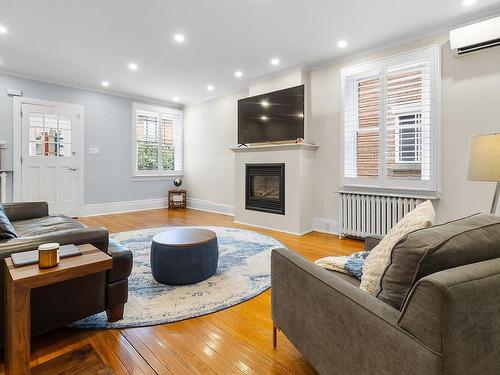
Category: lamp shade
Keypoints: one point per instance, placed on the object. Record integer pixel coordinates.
(484, 158)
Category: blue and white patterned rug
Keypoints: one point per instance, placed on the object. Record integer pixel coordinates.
(243, 273)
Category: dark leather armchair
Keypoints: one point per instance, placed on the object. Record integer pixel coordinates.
(56, 305)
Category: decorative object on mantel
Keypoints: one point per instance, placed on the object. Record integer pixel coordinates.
(299, 140)
(484, 162)
(177, 198)
(243, 272)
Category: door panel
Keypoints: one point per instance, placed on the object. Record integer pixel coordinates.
(50, 163)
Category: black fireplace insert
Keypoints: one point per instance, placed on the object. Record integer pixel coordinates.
(265, 188)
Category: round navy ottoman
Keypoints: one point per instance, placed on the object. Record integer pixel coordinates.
(184, 256)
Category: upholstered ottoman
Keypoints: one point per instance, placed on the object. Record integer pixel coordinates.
(184, 256)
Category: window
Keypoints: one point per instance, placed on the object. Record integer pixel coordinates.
(390, 124)
(157, 141)
(408, 138)
(50, 135)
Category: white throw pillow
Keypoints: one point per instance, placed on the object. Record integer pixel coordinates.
(422, 216)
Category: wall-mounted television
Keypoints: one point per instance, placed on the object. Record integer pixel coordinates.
(273, 117)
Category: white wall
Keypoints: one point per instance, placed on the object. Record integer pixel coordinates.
(469, 106)
(209, 133)
(470, 92)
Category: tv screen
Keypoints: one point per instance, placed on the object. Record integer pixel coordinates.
(273, 117)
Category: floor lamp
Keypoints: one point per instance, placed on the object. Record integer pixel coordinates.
(484, 162)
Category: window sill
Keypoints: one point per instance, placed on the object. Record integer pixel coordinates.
(162, 177)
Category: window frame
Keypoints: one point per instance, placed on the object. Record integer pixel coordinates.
(177, 116)
(384, 184)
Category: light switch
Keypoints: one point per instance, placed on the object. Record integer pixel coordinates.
(93, 150)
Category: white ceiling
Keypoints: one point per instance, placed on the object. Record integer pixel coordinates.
(83, 42)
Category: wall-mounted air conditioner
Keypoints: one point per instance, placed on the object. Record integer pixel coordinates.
(475, 37)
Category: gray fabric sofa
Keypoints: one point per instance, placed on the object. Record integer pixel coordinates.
(448, 324)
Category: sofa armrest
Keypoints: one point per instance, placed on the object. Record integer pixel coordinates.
(455, 312)
(371, 242)
(332, 321)
(96, 236)
(122, 262)
(25, 210)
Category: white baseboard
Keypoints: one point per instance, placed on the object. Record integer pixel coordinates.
(209, 206)
(95, 209)
(324, 225)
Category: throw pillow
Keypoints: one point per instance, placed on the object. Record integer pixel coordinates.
(6, 229)
(375, 264)
(423, 252)
(351, 264)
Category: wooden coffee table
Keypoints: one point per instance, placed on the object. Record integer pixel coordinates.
(18, 283)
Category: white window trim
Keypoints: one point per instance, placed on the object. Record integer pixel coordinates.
(154, 175)
(408, 186)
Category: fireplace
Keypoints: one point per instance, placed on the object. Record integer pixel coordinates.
(265, 188)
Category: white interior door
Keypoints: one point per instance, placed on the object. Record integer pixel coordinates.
(49, 158)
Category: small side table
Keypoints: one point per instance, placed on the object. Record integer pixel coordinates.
(177, 199)
(18, 283)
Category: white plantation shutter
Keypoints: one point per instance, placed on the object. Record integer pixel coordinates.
(157, 134)
(389, 122)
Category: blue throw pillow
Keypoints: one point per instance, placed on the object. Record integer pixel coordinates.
(7, 231)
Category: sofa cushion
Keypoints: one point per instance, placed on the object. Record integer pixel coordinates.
(423, 252)
(6, 229)
(420, 217)
(45, 225)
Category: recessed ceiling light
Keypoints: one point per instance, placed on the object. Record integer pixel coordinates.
(210, 88)
(264, 103)
(133, 66)
(105, 83)
(468, 3)
(179, 38)
(342, 43)
(238, 74)
(263, 118)
(275, 61)
(176, 98)
(3, 29)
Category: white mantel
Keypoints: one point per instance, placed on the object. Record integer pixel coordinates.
(299, 170)
(276, 147)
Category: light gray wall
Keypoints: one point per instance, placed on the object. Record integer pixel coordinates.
(107, 126)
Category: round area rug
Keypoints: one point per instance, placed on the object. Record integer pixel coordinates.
(243, 273)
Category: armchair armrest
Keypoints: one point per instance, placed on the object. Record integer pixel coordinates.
(455, 312)
(25, 210)
(372, 241)
(328, 319)
(96, 236)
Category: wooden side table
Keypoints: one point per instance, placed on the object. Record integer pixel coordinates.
(177, 199)
(18, 283)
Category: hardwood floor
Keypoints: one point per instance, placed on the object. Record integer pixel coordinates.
(237, 340)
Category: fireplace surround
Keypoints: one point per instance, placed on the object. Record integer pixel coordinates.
(265, 188)
(298, 161)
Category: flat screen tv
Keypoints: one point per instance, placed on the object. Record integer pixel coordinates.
(274, 117)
